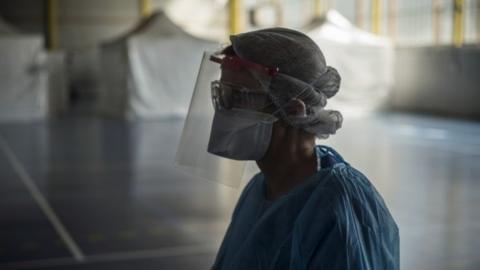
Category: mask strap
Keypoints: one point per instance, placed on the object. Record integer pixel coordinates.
(319, 158)
(280, 109)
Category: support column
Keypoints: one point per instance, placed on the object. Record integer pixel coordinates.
(52, 24)
(376, 14)
(235, 8)
(317, 8)
(392, 19)
(477, 15)
(458, 22)
(359, 16)
(437, 21)
(145, 8)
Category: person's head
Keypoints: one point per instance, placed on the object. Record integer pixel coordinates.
(282, 131)
(288, 70)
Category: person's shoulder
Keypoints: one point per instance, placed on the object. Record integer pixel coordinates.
(340, 176)
(346, 190)
(359, 197)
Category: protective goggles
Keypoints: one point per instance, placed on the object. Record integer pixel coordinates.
(242, 95)
(226, 96)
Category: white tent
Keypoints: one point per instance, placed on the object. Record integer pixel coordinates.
(150, 72)
(23, 77)
(201, 18)
(364, 61)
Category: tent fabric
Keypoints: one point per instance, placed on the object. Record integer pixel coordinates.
(23, 78)
(150, 72)
(364, 60)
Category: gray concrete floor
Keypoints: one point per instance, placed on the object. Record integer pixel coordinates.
(86, 193)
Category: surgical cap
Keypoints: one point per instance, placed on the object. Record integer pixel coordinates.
(303, 74)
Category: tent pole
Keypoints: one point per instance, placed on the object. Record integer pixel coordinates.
(145, 7)
(235, 9)
(458, 22)
(376, 14)
(52, 24)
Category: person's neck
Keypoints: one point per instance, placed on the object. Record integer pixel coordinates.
(287, 167)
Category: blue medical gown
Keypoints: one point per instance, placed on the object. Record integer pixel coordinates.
(334, 220)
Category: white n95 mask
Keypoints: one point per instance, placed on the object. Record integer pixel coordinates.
(240, 134)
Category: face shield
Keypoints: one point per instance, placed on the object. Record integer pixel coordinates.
(226, 86)
(232, 111)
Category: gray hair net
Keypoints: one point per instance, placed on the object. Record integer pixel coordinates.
(303, 75)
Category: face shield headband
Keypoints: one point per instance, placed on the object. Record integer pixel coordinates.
(236, 63)
(263, 75)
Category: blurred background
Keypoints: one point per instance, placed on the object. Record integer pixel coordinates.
(94, 94)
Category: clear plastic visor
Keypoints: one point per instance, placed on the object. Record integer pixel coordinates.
(219, 86)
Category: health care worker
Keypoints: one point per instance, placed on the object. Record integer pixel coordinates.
(308, 208)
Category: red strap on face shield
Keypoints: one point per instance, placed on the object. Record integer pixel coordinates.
(237, 63)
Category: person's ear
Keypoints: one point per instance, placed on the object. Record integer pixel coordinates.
(296, 107)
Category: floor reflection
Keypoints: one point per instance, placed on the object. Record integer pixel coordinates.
(114, 187)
